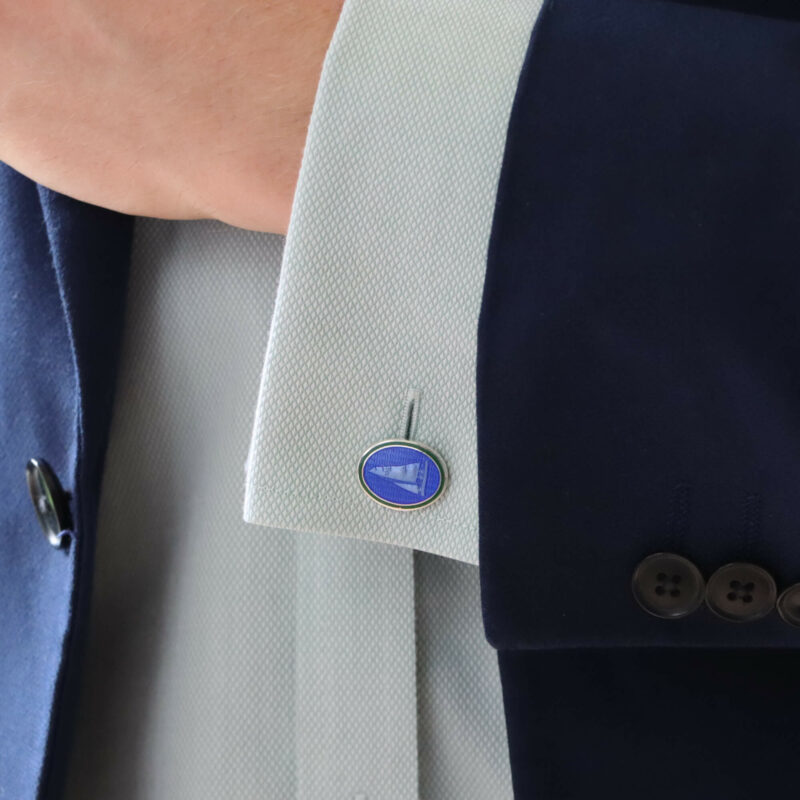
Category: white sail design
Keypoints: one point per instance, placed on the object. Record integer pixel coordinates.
(410, 477)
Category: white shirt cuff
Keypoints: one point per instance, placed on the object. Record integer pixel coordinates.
(383, 268)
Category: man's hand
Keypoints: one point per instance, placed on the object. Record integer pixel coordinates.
(166, 108)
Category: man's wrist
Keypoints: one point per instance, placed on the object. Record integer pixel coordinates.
(166, 108)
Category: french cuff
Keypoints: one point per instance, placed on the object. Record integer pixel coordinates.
(374, 331)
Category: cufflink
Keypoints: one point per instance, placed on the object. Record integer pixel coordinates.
(401, 474)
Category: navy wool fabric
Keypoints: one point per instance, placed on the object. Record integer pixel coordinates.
(63, 270)
(652, 723)
(639, 391)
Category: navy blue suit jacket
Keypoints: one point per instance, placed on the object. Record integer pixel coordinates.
(638, 392)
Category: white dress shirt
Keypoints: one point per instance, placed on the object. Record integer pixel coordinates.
(233, 660)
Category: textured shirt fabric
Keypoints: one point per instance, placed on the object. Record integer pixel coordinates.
(384, 267)
(230, 661)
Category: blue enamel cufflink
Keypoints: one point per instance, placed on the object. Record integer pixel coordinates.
(402, 474)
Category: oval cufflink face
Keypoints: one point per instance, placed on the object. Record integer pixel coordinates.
(403, 475)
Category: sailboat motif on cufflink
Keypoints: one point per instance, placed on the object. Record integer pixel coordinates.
(402, 474)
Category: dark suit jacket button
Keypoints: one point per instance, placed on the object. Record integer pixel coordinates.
(741, 592)
(49, 501)
(668, 586)
(789, 605)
